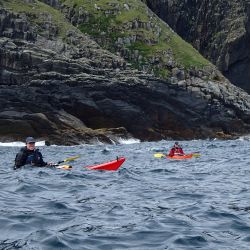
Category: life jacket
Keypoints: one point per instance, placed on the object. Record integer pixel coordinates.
(178, 151)
(33, 158)
(26, 156)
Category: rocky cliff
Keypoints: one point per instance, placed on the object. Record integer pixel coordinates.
(58, 84)
(218, 29)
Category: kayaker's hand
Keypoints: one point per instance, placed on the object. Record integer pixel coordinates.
(51, 164)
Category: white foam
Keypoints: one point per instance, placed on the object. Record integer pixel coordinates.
(128, 141)
(244, 138)
(19, 144)
(42, 143)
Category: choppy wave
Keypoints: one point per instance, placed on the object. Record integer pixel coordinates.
(245, 138)
(128, 141)
(150, 203)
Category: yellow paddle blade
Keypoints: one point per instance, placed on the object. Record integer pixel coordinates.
(64, 167)
(71, 158)
(159, 155)
(196, 155)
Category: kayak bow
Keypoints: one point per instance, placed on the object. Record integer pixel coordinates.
(108, 166)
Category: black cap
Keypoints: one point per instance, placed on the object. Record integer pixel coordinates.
(30, 140)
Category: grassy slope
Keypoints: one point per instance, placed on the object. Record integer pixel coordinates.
(38, 12)
(115, 25)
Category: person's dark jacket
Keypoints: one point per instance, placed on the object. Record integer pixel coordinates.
(25, 156)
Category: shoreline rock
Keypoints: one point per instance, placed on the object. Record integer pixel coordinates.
(219, 30)
(72, 91)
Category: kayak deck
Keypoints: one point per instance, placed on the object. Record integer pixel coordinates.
(180, 157)
(108, 166)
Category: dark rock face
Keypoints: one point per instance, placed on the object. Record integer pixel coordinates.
(218, 29)
(71, 91)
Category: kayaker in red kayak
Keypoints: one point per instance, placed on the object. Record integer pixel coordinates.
(176, 150)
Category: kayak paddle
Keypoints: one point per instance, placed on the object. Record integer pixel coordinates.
(69, 159)
(196, 155)
(160, 155)
(66, 160)
(64, 167)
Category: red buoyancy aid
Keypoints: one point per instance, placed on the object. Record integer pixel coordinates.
(176, 151)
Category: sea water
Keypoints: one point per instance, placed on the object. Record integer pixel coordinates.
(149, 203)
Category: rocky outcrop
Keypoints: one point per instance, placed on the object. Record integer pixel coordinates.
(218, 29)
(135, 33)
(59, 85)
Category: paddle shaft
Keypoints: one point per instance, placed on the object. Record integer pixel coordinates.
(69, 159)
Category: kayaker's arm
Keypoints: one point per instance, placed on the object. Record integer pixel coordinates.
(171, 153)
(20, 159)
(42, 163)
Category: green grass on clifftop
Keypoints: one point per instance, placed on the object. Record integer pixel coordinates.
(186, 54)
(40, 13)
(113, 19)
(124, 26)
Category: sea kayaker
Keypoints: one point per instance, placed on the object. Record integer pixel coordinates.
(176, 150)
(30, 155)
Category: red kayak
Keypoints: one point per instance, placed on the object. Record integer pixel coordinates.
(180, 157)
(108, 166)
